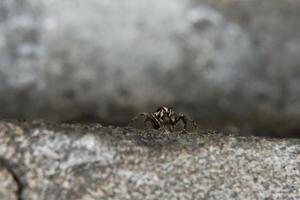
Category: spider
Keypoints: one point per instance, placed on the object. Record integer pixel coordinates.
(164, 118)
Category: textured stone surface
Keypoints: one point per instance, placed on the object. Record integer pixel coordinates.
(8, 186)
(96, 162)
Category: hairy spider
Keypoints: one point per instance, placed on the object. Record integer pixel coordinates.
(164, 118)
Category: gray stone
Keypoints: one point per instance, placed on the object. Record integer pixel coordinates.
(8, 186)
(96, 162)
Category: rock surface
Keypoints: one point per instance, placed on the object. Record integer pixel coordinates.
(96, 162)
(8, 186)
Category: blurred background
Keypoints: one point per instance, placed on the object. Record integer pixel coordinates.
(229, 64)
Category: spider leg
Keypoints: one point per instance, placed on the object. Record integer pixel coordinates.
(185, 120)
(165, 129)
(192, 121)
(150, 119)
(172, 127)
(143, 114)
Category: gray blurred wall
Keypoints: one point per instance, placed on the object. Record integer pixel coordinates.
(217, 61)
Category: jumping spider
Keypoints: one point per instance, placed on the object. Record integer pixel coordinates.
(164, 118)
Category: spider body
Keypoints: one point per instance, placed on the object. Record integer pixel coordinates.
(164, 118)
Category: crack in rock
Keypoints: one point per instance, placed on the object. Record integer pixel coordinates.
(19, 185)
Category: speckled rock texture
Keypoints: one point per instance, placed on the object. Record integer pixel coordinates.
(95, 162)
(8, 186)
